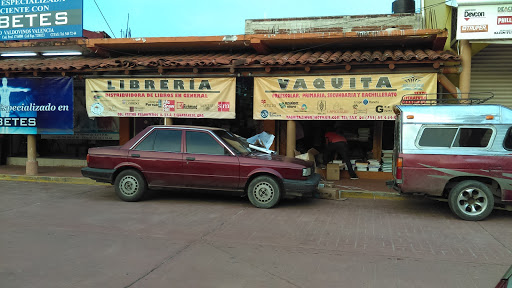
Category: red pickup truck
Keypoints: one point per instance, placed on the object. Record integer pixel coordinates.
(199, 158)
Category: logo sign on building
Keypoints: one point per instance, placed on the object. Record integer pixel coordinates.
(40, 19)
(36, 105)
(338, 97)
(161, 97)
(480, 22)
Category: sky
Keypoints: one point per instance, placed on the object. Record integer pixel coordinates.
(175, 18)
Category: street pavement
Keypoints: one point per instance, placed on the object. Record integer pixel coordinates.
(67, 235)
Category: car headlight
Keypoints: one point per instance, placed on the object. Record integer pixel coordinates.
(306, 171)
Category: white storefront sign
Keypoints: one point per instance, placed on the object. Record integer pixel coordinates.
(484, 20)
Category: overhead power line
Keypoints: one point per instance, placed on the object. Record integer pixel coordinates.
(105, 19)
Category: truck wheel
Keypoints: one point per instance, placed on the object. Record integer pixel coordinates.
(264, 192)
(130, 185)
(471, 200)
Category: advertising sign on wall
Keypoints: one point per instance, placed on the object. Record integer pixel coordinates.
(338, 97)
(478, 22)
(161, 97)
(36, 105)
(40, 19)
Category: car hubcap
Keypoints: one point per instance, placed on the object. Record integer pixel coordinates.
(129, 185)
(264, 192)
(472, 201)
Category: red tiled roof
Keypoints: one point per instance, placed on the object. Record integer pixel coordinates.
(224, 59)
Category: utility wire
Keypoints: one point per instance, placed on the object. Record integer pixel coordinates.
(395, 19)
(105, 19)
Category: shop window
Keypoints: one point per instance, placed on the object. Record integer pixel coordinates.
(204, 143)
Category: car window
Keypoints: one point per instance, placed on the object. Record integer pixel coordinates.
(204, 143)
(233, 141)
(161, 140)
(437, 137)
(148, 143)
(508, 140)
(473, 137)
(168, 141)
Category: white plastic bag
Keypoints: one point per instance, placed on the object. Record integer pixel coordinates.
(265, 139)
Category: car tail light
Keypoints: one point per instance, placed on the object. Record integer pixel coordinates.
(502, 284)
(87, 158)
(399, 165)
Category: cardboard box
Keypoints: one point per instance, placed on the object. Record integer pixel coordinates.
(322, 172)
(333, 171)
(308, 156)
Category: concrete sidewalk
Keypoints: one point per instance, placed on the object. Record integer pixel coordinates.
(47, 174)
(346, 188)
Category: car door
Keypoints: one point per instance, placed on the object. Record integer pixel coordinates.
(506, 163)
(208, 163)
(160, 157)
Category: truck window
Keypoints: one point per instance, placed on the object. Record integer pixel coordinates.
(508, 140)
(455, 137)
(473, 137)
(437, 137)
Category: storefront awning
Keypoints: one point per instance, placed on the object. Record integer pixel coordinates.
(215, 61)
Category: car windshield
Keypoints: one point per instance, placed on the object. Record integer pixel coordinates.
(234, 142)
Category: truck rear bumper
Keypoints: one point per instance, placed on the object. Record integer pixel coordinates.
(394, 185)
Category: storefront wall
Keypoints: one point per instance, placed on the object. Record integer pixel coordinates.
(491, 72)
(358, 104)
(365, 121)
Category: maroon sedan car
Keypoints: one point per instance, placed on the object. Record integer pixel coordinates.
(505, 280)
(199, 158)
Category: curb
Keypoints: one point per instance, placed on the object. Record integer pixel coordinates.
(343, 194)
(86, 181)
(371, 195)
(331, 192)
(51, 179)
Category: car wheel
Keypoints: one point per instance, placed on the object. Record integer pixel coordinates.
(264, 192)
(471, 200)
(130, 185)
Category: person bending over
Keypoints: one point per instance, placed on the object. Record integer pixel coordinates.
(337, 143)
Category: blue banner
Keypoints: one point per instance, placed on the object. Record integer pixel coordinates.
(40, 19)
(36, 105)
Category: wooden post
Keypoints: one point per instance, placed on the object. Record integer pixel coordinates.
(290, 138)
(269, 126)
(124, 130)
(465, 75)
(31, 165)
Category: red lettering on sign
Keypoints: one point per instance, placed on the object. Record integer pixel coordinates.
(169, 105)
(223, 106)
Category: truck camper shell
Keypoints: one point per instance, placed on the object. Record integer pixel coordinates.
(462, 153)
